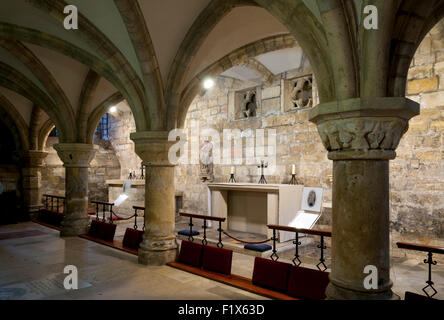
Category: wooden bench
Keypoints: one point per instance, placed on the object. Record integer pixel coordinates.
(113, 244)
(232, 280)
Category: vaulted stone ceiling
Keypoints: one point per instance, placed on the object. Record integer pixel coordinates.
(153, 52)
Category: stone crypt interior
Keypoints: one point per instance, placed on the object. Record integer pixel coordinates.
(352, 121)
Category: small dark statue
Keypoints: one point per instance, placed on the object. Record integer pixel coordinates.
(250, 104)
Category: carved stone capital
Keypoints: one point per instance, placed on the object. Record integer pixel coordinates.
(363, 128)
(32, 158)
(153, 147)
(76, 155)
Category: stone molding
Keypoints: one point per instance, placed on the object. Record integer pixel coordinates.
(363, 128)
(76, 155)
(153, 147)
(32, 158)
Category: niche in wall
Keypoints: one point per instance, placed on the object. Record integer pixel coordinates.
(298, 93)
(244, 104)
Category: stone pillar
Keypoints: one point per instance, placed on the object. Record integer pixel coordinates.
(32, 163)
(159, 242)
(361, 136)
(76, 158)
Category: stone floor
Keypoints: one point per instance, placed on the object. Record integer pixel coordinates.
(31, 267)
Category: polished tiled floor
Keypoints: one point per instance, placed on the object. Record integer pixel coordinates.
(31, 267)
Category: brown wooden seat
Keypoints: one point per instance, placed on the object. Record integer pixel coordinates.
(113, 244)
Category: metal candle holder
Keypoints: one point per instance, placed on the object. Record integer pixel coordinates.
(293, 179)
(232, 180)
(263, 165)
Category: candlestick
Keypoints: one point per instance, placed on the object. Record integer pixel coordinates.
(232, 170)
(293, 169)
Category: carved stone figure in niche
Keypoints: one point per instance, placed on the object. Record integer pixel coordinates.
(206, 162)
(250, 105)
(311, 200)
(301, 95)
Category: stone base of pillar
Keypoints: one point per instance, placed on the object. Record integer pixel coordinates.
(33, 210)
(334, 292)
(158, 253)
(73, 227)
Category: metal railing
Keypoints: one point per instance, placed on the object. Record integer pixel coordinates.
(296, 261)
(430, 251)
(104, 205)
(49, 202)
(204, 218)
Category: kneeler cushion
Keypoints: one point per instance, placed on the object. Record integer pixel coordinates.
(191, 253)
(107, 231)
(257, 247)
(271, 274)
(132, 238)
(188, 233)
(45, 215)
(217, 259)
(307, 283)
(416, 297)
(94, 228)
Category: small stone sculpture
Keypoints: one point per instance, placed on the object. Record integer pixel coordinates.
(250, 104)
(301, 95)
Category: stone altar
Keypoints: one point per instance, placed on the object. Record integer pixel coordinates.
(249, 207)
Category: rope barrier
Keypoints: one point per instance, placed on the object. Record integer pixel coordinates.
(244, 241)
(121, 218)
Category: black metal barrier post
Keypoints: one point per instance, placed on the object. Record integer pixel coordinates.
(297, 243)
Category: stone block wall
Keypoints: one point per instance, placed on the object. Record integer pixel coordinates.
(104, 166)
(416, 175)
(9, 177)
(297, 141)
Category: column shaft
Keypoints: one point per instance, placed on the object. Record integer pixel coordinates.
(361, 136)
(76, 158)
(159, 243)
(360, 228)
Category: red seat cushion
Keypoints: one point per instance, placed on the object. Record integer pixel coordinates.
(271, 274)
(132, 238)
(107, 231)
(191, 253)
(94, 228)
(411, 296)
(217, 259)
(92, 213)
(307, 283)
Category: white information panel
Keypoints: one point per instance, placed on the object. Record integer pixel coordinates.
(304, 220)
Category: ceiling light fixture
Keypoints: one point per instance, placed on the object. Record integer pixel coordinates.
(208, 83)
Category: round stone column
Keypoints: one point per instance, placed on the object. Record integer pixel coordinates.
(159, 242)
(76, 158)
(32, 163)
(361, 136)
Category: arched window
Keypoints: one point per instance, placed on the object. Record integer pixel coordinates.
(102, 131)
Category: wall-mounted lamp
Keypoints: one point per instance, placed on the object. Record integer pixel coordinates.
(208, 83)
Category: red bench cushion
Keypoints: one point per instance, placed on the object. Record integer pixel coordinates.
(217, 259)
(191, 253)
(132, 238)
(416, 297)
(271, 274)
(107, 231)
(307, 283)
(94, 228)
